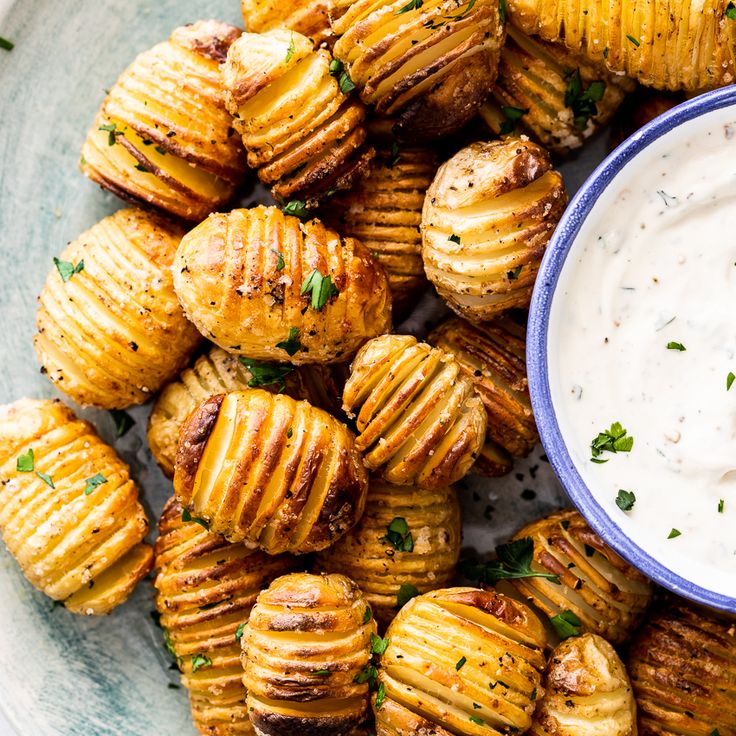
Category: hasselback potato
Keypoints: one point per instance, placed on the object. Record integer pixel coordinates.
(263, 284)
(218, 372)
(639, 109)
(205, 589)
(420, 420)
(69, 512)
(668, 45)
(460, 661)
(301, 128)
(429, 63)
(305, 647)
(110, 329)
(308, 17)
(487, 219)
(586, 692)
(558, 97)
(273, 472)
(384, 212)
(163, 135)
(606, 595)
(407, 536)
(682, 665)
(493, 357)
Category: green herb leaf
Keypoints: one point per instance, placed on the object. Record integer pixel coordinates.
(611, 440)
(380, 695)
(625, 500)
(583, 100)
(605, 52)
(405, 594)
(676, 346)
(94, 482)
(475, 719)
(5, 44)
(47, 479)
(729, 381)
(290, 50)
(731, 15)
(281, 263)
(460, 663)
(715, 731)
(399, 536)
(239, 631)
(142, 168)
(67, 269)
(266, 374)
(291, 344)
(367, 614)
(296, 208)
(721, 505)
(336, 67)
(123, 421)
(633, 40)
(502, 10)
(378, 645)
(395, 155)
(674, 533)
(368, 674)
(25, 462)
(186, 515)
(514, 562)
(346, 84)
(290, 433)
(321, 288)
(411, 5)
(513, 275)
(111, 130)
(169, 645)
(321, 673)
(566, 624)
(513, 115)
(533, 696)
(200, 661)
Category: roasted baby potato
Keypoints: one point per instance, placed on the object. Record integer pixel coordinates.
(487, 219)
(163, 135)
(205, 589)
(556, 96)
(420, 420)
(603, 592)
(303, 132)
(384, 212)
(493, 357)
(586, 692)
(429, 63)
(407, 536)
(110, 329)
(673, 45)
(460, 661)
(270, 471)
(263, 284)
(308, 17)
(682, 665)
(305, 647)
(218, 372)
(69, 512)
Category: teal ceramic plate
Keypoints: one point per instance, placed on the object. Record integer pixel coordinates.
(61, 673)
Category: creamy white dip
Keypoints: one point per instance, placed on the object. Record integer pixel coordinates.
(655, 264)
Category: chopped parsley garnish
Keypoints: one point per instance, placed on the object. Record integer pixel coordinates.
(625, 500)
(321, 288)
(169, 645)
(721, 505)
(25, 462)
(290, 432)
(513, 275)
(514, 562)
(336, 67)
(337, 70)
(512, 115)
(460, 663)
(454, 239)
(47, 479)
(9, 45)
(380, 695)
(281, 263)
(291, 344)
(399, 536)
(475, 719)
(406, 592)
(411, 5)
(731, 15)
(715, 731)
(111, 130)
(533, 696)
(674, 533)
(611, 440)
(395, 155)
(378, 645)
(583, 101)
(94, 482)
(321, 673)
(266, 374)
(67, 269)
(605, 52)
(729, 380)
(296, 208)
(290, 50)
(676, 346)
(566, 624)
(186, 515)
(123, 421)
(239, 631)
(142, 168)
(200, 661)
(368, 674)
(633, 40)
(502, 10)
(367, 614)
(432, 25)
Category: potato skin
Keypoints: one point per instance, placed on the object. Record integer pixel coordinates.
(586, 692)
(83, 548)
(308, 17)
(432, 64)
(677, 45)
(420, 420)
(366, 556)
(430, 689)
(517, 199)
(270, 471)
(493, 357)
(682, 665)
(114, 333)
(303, 134)
(607, 594)
(305, 684)
(218, 372)
(227, 278)
(178, 150)
(205, 589)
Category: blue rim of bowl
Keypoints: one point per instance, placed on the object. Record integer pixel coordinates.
(537, 334)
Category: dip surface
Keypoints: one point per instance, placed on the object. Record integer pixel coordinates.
(654, 265)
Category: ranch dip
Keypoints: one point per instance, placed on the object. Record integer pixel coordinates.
(642, 338)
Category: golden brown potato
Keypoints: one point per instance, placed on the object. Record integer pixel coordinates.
(263, 284)
(407, 536)
(273, 472)
(308, 17)
(460, 661)
(69, 512)
(206, 588)
(304, 648)
(668, 45)
(302, 130)
(420, 420)
(606, 594)
(586, 692)
(682, 665)
(431, 63)
(110, 329)
(218, 372)
(163, 135)
(556, 96)
(384, 212)
(487, 219)
(493, 357)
